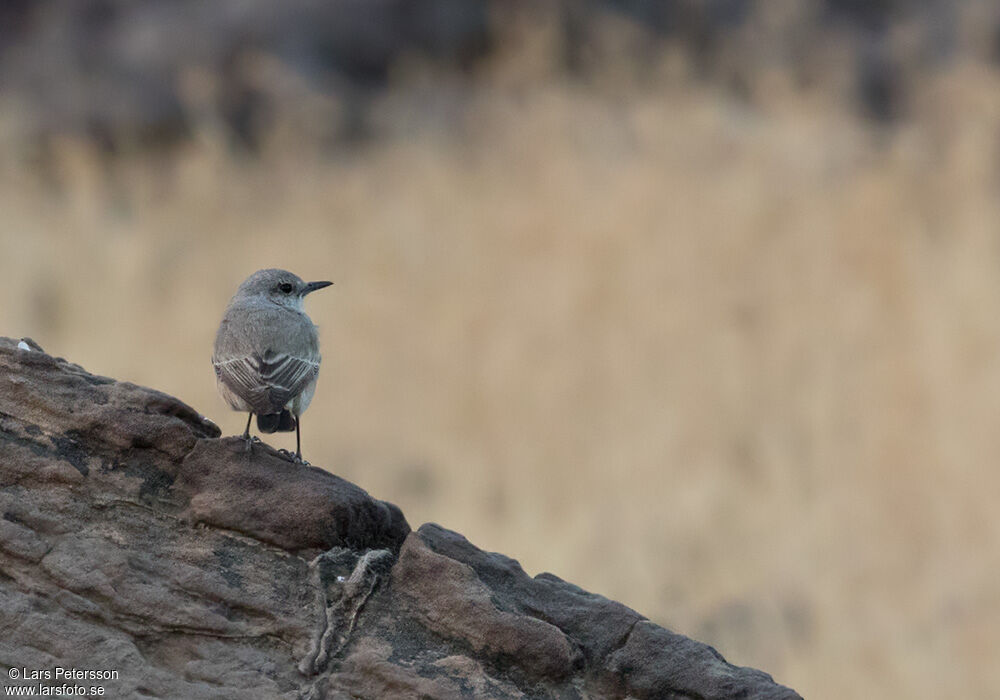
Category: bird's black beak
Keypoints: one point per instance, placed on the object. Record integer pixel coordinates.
(313, 286)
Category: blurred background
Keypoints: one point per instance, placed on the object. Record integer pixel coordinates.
(691, 302)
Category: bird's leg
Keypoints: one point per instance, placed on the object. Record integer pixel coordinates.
(246, 434)
(298, 442)
(297, 457)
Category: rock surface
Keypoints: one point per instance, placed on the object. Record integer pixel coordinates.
(134, 539)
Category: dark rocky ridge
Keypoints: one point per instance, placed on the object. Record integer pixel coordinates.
(133, 538)
(130, 73)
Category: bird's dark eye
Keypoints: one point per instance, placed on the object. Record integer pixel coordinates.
(285, 288)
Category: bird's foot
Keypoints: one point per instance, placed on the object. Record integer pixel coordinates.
(248, 448)
(293, 458)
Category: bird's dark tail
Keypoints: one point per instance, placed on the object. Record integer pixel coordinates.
(282, 422)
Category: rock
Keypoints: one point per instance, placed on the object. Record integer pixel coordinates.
(226, 487)
(446, 597)
(133, 539)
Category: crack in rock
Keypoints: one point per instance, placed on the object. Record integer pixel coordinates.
(340, 599)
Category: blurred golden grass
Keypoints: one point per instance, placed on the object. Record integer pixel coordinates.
(736, 368)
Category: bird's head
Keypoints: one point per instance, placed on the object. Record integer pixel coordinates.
(278, 286)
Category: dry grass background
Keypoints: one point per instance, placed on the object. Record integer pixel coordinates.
(738, 368)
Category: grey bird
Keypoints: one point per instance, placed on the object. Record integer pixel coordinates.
(266, 355)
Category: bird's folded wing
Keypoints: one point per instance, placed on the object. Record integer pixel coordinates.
(267, 382)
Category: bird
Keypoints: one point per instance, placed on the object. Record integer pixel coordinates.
(266, 355)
